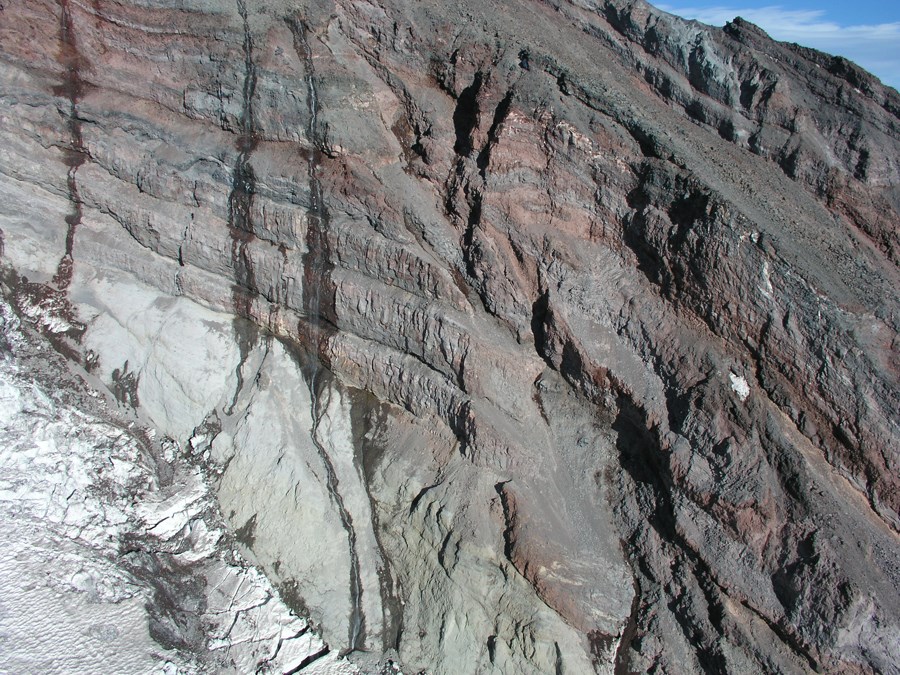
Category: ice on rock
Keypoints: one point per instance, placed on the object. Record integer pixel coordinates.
(740, 386)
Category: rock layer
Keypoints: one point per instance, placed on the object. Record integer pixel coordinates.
(534, 337)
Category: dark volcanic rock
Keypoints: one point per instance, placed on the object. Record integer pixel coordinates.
(530, 336)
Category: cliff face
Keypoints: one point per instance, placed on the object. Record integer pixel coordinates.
(519, 337)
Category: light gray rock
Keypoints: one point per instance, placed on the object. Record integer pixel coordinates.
(523, 337)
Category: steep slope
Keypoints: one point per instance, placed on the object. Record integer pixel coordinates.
(114, 555)
(523, 337)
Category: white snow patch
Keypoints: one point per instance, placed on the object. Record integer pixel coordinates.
(767, 289)
(740, 386)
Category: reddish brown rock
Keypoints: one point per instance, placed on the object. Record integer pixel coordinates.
(609, 297)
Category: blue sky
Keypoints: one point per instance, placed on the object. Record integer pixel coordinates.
(865, 31)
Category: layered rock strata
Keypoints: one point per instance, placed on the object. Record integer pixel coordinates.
(523, 337)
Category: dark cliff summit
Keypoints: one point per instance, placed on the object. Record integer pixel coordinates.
(523, 336)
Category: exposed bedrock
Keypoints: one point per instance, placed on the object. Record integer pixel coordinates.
(519, 337)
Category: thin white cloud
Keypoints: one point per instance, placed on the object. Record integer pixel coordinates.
(875, 47)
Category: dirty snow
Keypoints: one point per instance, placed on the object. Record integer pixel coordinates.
(91, 538)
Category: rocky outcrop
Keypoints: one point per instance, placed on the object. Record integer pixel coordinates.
(534, 337)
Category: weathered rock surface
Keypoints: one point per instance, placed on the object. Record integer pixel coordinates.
(114, 554)
(520, 337)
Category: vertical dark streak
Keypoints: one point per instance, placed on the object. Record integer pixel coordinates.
(366, 413)
(240, 212)
(75, 154)
(318, 287)
(317, 268)
(357, 630)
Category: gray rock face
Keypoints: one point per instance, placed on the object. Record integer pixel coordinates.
(517, 337)
(114, 554)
